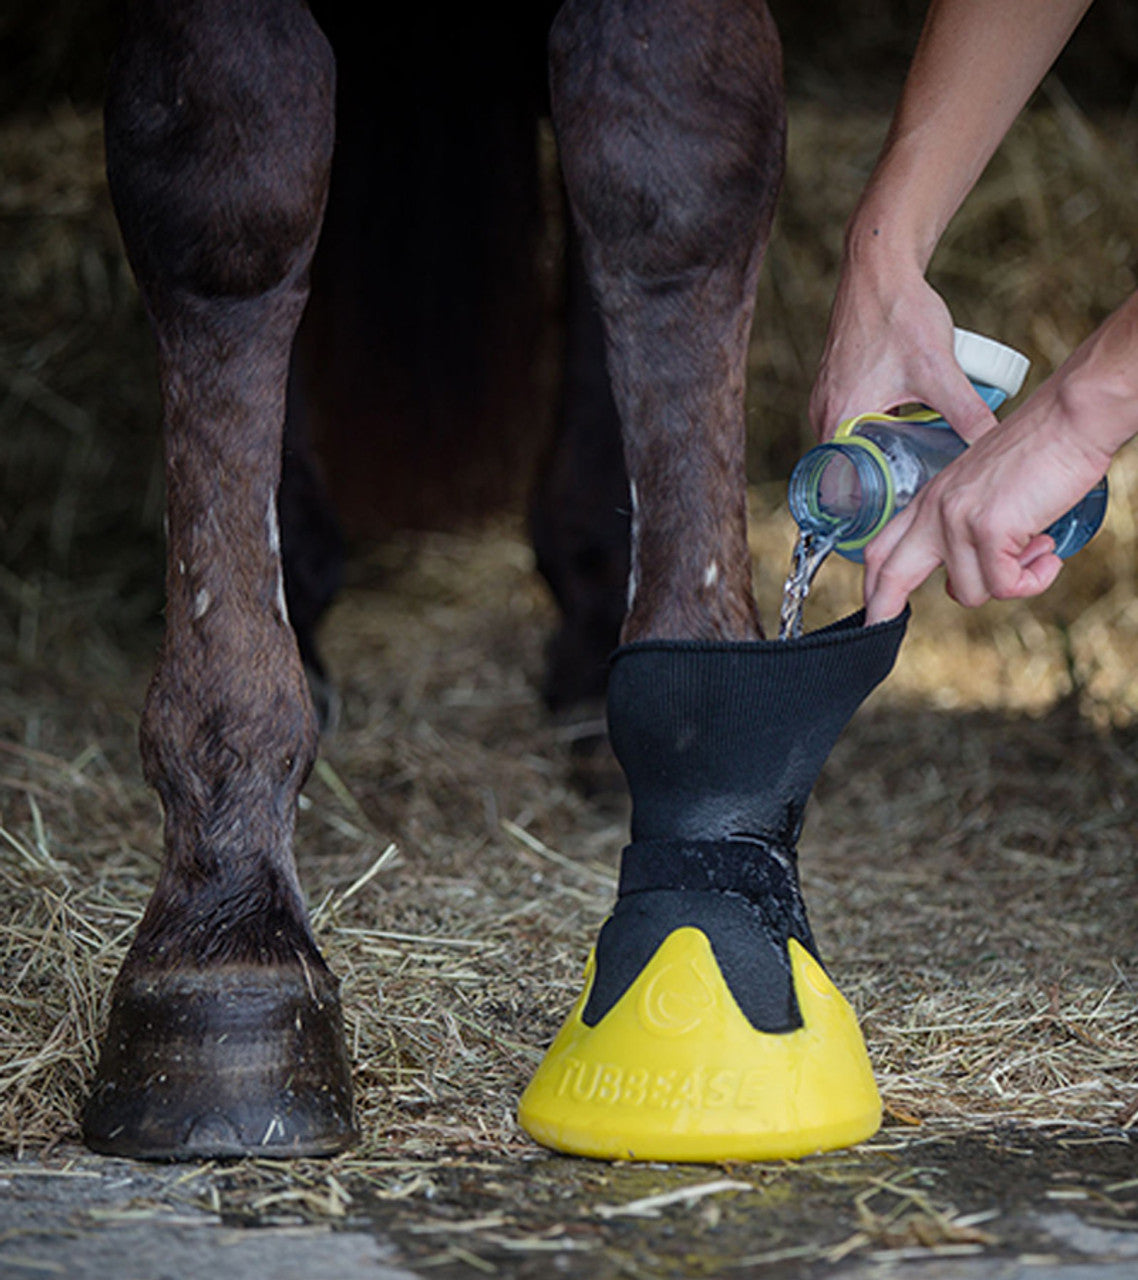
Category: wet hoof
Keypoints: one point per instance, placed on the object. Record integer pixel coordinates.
(236, 1061)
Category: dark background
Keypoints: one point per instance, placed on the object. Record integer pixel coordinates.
(856, 50)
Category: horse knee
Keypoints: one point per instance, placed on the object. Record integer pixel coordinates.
(219, 121)
(671, 128)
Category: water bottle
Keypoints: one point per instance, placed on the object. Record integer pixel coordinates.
(852, 485)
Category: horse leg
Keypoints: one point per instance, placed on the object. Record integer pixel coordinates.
(674, 202)
(225, 1035)
(312, 546)
(579, 514)
(708, 1028)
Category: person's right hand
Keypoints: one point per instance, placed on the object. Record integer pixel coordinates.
(982, 516)
(890, 343)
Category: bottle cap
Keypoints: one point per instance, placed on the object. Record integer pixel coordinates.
(991, 362)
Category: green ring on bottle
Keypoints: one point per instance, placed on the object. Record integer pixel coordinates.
(874, 451)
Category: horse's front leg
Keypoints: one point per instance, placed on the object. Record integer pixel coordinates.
(224, 1033)
(708, 1028)
(670, 123)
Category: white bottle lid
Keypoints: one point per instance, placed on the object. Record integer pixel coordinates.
(991, 362)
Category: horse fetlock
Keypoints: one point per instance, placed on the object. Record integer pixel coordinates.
(229, 1060)
(254, 732)
(225, 1032)
(228, 783)
(224, 899)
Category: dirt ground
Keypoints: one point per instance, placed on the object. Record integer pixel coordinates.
(968, 858)
(1004, 1204)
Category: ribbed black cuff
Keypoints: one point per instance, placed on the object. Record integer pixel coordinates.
(723, 740)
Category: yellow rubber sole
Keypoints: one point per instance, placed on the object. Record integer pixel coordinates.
(674, 1071)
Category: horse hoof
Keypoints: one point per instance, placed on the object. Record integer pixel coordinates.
(675, 1071)
(233, 1061)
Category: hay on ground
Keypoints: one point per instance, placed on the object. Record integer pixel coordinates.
(969, 854)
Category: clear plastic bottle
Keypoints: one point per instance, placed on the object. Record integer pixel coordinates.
(872, 468)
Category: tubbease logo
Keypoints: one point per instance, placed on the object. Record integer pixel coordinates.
(615, 1084)
(677, 998)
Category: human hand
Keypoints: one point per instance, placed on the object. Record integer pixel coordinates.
(981, 517)
(890, 342)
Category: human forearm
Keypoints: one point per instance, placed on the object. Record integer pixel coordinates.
(1095, 391)
(976, 64)
(890, 335)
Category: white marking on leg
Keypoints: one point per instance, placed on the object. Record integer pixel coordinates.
(201, 603)
(711, 577)
(273, 525)
(274, 528)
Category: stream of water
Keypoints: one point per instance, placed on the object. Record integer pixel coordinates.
(809, 552)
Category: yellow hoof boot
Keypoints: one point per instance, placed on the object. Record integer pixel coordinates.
(676, 1071)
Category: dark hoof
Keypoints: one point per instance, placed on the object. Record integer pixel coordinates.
(236, 1061)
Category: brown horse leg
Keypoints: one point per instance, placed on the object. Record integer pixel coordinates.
(670, 123)
(579, 515)
(225, 1033)
(708, 1029)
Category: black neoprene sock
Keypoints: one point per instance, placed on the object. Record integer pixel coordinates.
(721, 744)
